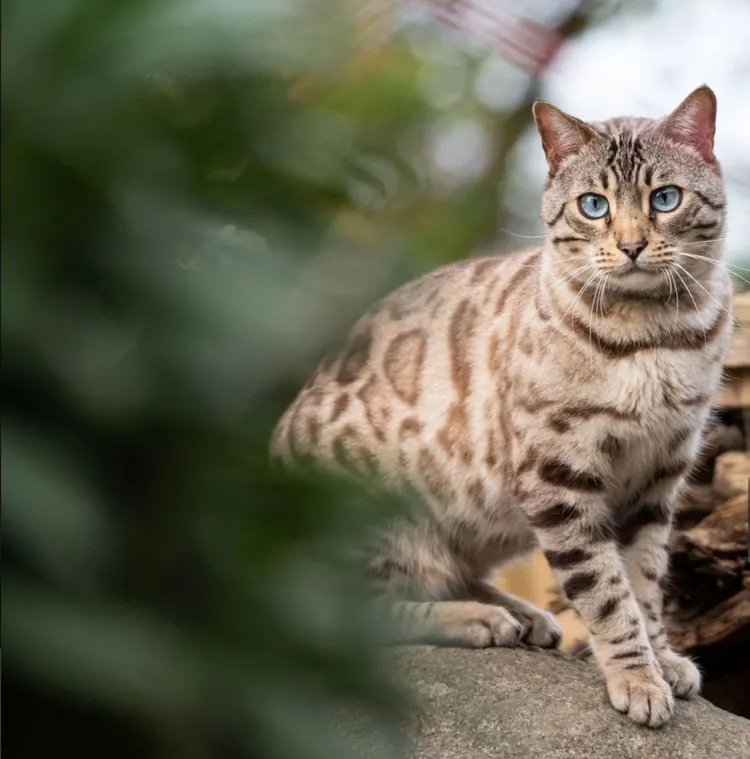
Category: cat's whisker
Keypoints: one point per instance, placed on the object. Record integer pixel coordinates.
(721, 306)
(600, 308)
(523, 237)
(702, 242)
(573, 304)
(695, 305)
(673, 283)
(721, 264)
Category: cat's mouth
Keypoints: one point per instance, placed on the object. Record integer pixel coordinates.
(635, 267)
(638, 277)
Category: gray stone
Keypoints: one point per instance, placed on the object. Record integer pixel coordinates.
(503, 704)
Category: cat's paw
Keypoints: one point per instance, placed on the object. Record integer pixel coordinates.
(541, 629)
(492, 626)
(641, 694)
(681, 674)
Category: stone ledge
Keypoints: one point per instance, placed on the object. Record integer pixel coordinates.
(521, 704)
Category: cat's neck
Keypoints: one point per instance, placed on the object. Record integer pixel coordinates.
(600, 306)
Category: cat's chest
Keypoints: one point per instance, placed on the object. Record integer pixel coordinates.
(660, 385)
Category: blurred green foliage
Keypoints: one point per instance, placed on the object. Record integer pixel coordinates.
(186, 229)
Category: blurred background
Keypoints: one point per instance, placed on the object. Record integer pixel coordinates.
(199, 197)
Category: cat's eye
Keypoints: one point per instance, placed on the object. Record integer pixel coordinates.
(593, 206)
(666, 199)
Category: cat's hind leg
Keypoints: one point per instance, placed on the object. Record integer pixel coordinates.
(465, 624)
(540, 627)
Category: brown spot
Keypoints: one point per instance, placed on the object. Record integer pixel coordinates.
(579, 583)
(481, 268)
(377, 408)
(453, 436)
(615, 580)
(460, 335)
(524, 270)
(554, 516)
(598, 532)
(632, 654)
(566, 559)
(351, 454)
(632, 635)
(490, 457)
(356, 356)
(556, 472)
(403, 363)
(494, 353)
(608, 608)
(696, 400)
(533, 402)
(589, 410)
(476, 493)
(529, 461)
(611, 445)
(541, 310)
(642, 516)
(409, 427)
(669, 471)
(681, 436)
(649, 574)
(313, 429)
(344, 448)
(435, 481)
(341, 405)
(559, 424)
(525, 343)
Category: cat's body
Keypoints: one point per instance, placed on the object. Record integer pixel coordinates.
(527, 407)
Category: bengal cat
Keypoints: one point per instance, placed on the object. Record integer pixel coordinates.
(554, 397)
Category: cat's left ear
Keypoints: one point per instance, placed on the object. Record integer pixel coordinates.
(693, 122)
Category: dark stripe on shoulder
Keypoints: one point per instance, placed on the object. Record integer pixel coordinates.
(524, 270)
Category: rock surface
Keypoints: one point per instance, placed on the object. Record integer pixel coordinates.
(508, 704)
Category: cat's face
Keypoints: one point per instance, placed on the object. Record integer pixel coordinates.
(638, 202)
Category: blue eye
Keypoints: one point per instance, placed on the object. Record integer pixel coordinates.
(593, 206)
(666, 198)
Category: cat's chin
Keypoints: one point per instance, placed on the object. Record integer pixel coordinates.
(639, 281)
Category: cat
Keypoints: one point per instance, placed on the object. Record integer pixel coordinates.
(554, 397)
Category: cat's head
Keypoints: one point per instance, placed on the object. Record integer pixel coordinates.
(634, 200)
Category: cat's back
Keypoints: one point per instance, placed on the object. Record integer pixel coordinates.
(403, 364)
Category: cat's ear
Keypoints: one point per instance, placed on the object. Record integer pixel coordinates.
(693, 122)
(562, 135)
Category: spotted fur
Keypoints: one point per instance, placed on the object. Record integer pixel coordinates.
(552, 398)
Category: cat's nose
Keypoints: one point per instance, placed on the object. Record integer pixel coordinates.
(632, 249)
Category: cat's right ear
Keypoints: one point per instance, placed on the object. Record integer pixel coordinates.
(562, 135)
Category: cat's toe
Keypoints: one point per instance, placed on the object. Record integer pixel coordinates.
(681, 674)
(641, 694)
(505, 628)
(544, 631)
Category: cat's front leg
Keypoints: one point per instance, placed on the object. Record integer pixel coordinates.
(644, 534)
(573, 529)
